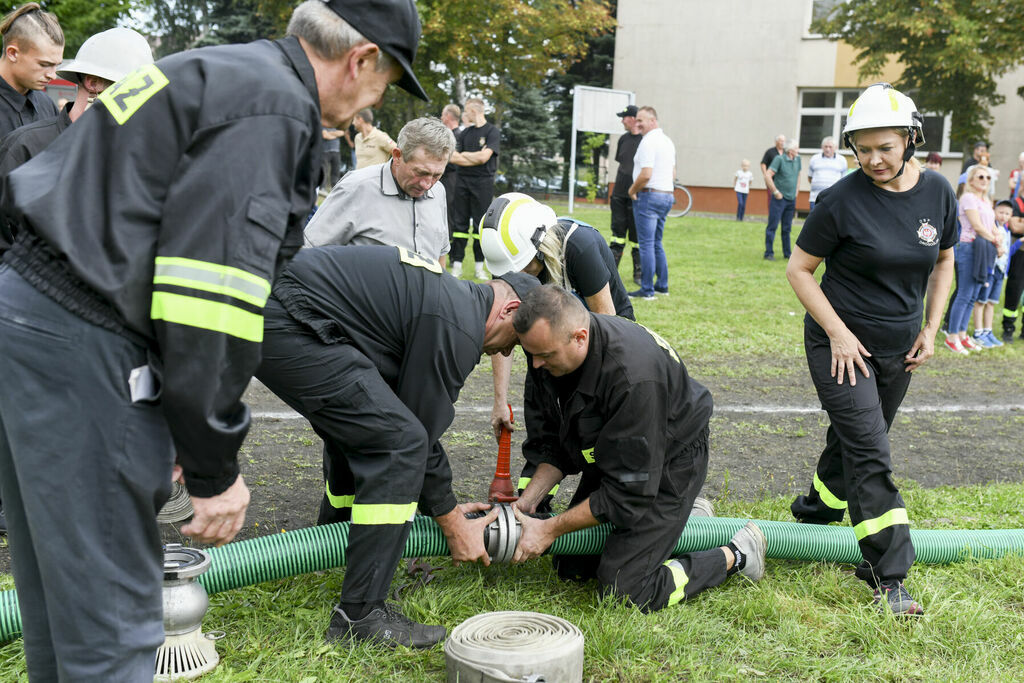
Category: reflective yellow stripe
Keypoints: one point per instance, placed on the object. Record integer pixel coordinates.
(680, 579)
(338, 501)
(1007, 313)
(525, 481)
(464, 235)
(211, 277)
(872, 526)
(382, 513)
(827, 497)
(208, 315)
(618, 240)
(506, 218)
(588, 455)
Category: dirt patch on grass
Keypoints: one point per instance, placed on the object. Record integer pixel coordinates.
(958, 427)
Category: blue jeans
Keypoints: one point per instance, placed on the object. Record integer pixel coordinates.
(650, 210)
(967, 288)
(741, 205)
(779, 209)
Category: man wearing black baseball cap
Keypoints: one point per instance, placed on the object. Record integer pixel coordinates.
(188, 201)
(623, 225)
(372, 345)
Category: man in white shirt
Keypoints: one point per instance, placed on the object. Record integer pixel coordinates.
(825, 168)
(397, 203)
(653, 194)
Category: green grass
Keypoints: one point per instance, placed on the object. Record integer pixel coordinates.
(733, 312)
(804, 621)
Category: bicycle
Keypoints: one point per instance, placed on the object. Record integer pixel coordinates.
(685, 201)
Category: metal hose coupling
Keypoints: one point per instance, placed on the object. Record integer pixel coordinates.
(502, 535)
(502, 647)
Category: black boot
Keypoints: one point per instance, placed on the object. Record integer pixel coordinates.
(385, 626)
(636, 266)
(616, 253)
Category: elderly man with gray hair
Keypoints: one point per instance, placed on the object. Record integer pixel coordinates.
(398, 203)
(782, 178)
(825, 168)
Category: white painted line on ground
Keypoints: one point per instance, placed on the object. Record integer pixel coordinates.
(739, 408)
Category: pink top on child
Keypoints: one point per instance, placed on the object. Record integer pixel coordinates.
(969, 200)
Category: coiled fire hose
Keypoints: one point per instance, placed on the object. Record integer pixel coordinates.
(279, 556)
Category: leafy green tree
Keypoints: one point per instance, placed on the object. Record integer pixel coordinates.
(951, 51)
(528, 138)
(79, 19)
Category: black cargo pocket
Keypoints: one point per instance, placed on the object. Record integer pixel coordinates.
(257, 249)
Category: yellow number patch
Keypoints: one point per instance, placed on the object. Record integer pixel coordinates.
(414, 259)
(126, 96)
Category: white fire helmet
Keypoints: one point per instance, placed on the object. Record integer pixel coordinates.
(111, 54)
(883, 106)
(511, 231)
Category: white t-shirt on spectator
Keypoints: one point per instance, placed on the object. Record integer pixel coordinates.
(743, 179)
(825, 171)
(657, 153)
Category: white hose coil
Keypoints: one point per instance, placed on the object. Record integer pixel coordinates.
(503, 647)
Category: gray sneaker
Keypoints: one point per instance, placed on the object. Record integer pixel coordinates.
(702, 508)
(895, 597)
(385, 626)
(750, 541)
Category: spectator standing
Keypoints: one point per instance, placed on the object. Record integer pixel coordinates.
(976, 220)
(825, 168)
(623, 223)
(332, 158)
(768, 157)
(373, 146)
(1014, 272)
(451, 117)
(984, 308)
(979, 148)
(653, 194)
(130, 351)
(781, 177)
(397, 203)
(742, 180)
(1016, 176)
(476, 156)
(33, 49)
(102, 60)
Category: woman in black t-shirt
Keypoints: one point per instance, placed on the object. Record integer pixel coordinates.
(886, 234)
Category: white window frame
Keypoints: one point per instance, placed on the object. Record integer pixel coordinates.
(837, 110)
(807, 23)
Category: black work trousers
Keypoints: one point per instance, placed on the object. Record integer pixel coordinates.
(634, 562)
(375, 448)
(1013, 291)
(84, 471)
(855, 469)
(472, 197)
(623, 228)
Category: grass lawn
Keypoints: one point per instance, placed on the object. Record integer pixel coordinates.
(804, 621)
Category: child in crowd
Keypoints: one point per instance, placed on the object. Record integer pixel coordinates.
(985, 306)
(742, 187)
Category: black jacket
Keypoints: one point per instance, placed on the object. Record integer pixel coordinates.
(23, 143)
(422, 328)
(166, 212)
(633, 409)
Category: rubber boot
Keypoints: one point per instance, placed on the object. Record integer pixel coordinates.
(636, 266)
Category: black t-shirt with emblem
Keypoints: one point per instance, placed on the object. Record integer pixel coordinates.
(879, 248)
(474, 139)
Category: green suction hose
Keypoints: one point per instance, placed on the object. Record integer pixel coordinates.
(279, 556)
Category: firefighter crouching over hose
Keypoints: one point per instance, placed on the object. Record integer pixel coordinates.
(612, 400)
(131, 313)
(372, 345)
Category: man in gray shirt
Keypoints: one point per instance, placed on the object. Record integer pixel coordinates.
(397, 203)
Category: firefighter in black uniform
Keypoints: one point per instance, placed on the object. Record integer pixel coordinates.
(131, 314)
(612, 400)
(1014, 274)
(476, 155)
(372, 345)
(623, 226)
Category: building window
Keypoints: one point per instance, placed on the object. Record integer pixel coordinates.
(823, 113)
(819, 9)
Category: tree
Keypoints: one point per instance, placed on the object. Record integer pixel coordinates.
(952, 51)
(79, 19)
(530, 136)
(184, 24)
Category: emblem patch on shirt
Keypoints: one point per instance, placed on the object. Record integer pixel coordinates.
(126, 96)
(927, 234)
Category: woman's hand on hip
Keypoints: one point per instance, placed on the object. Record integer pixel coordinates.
(848, 353)
(921, 351)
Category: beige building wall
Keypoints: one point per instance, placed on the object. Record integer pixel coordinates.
(725, 78)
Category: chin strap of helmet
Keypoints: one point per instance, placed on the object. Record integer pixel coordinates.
(909, 153)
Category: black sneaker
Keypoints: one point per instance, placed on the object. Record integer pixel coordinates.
(1008, 337)
(895, 596)
(385, 626)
